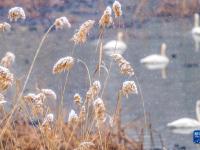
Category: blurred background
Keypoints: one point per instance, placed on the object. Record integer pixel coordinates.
(145, 25)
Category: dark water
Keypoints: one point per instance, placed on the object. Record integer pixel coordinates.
(165, 99)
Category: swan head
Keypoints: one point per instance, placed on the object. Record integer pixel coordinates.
(120, 36)
(163, 49)
(198, 110)
(196, 20)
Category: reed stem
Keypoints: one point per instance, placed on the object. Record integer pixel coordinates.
(26, 81)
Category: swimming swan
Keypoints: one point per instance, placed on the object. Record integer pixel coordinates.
(115, 46)
(187, 122)
(157, 61)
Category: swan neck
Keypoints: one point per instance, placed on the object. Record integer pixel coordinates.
(163, 49)
(119, 36)
(196, 20)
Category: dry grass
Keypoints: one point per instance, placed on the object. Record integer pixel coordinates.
(31, 123)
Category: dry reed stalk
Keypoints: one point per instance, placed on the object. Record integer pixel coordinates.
(100, 135)
(88, 72)
(100, 46)
(151, 132)
(91, 94)
(105, 20)
(118, 115)
(47, 134)
(15, 17)
(100, 57)
(32, 64)
(82, 114)
(64, 88)
(72, 134)
(89, 130)
(142, 99)
(35, 57)
(100, 116)
(17, 89)
(118, 12)
(27, 78)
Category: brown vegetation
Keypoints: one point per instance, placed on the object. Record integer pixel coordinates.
(31, 124)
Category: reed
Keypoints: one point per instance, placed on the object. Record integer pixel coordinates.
(32, 124)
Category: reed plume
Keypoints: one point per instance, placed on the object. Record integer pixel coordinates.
(100, 110)
(48, 119)
(83, 138)
(124, 65)
(65, 63)
(85, 146)
(16, 13)
(129, 87)
(49, 93)
(6, 78)
(30, 97)
(77, 99)
(73, 118)
(8, 60)
(5, 27)
(36, 102)
(61, 22)
(93, 91)
(117, 9)
(2, 99)
(80, 36)
(35, 98)
(40, 97)
(106, 18)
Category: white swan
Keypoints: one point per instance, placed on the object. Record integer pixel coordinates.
(183, 130)
(157, 61)
(187, 122)
(115, 46)
(196, 31)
